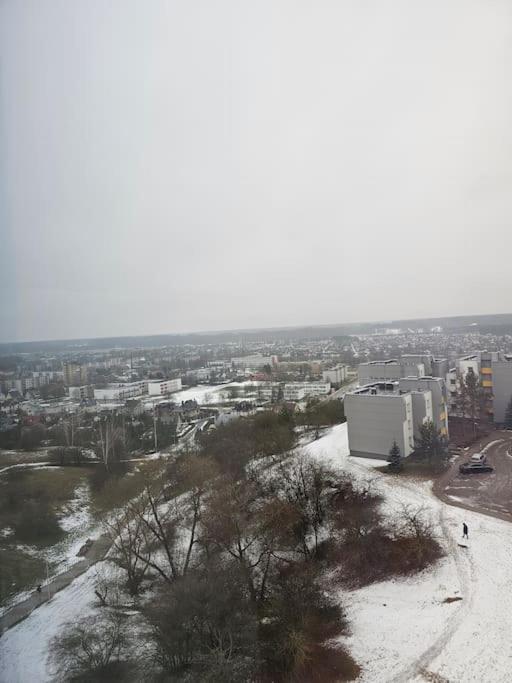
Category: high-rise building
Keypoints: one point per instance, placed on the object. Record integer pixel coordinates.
(74, 374)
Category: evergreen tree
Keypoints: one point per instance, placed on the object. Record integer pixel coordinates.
(395, 457)
(431, 443)
(508, 415)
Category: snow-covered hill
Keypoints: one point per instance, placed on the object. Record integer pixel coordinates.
(401, 630)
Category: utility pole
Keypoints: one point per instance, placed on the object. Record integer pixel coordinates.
(154, 428)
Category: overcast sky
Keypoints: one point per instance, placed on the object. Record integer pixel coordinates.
(176, 166)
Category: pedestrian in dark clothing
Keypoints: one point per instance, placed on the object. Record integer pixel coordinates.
(39, 588)
(464, 530)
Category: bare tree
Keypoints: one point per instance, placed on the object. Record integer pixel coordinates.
(415, 522)
(305, 484)
(92, 647)
(110, 435)
(131, 548)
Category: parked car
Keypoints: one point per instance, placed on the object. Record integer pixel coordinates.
(478, 457)
(475, 468)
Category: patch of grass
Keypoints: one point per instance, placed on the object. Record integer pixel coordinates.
(110, 490)
(18, 571)
(30, 500)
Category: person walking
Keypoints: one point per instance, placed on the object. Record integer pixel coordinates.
(465, 530)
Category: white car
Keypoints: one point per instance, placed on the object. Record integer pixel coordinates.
(479, 458)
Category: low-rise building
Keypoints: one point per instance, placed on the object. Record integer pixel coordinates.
(297, 391)
(120, 391)
(164, 386)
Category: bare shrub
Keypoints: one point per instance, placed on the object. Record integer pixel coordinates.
(383, 551)
(299, 620)
(90, 650)
(204, 627)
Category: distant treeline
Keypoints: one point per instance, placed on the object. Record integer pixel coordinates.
(494, 324)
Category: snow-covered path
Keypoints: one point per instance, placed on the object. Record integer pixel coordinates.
(401, 630)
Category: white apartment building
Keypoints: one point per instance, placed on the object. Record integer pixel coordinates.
(336, 375)
(121, 391)
(383, 412)
(164, 386)
(377, 415)
(296, 391)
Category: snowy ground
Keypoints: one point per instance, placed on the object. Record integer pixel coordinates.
(401, 630)
(25, 649)
(203, 393)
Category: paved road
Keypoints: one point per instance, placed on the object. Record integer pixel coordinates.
(490, 494)
(20, 611)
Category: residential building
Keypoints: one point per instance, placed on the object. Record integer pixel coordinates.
(164, 386)
(437, 388)
(296, 391)
(74, 374)
(388, 371)
(120, 391)
(378, 415)
(499, 380)
(336, 375)
(493, 370)
(254, 361)
(81, 393)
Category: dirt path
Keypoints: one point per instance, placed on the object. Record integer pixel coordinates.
(23, 609)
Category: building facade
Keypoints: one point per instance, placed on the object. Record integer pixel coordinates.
(378, 415)
(165, 386)
(336, 375)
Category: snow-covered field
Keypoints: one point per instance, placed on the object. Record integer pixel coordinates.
(401, 630)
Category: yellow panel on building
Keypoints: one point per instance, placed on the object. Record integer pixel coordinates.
(486, 371)
(487, 382)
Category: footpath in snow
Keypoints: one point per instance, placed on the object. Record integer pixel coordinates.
(401, 630)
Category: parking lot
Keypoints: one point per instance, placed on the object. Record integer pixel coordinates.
(490, 493)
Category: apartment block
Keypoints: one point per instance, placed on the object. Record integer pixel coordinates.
(336, 375)
(437, 388)
(74, 374)
(296, 391)
(254, 361)
(388, 371)
(377, 415)
(500, 379)
(164, 386)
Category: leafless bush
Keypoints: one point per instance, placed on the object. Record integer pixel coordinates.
(90, 650)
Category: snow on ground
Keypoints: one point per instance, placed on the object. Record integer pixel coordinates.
(402, 630)
(24, 649)
(207, 393)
